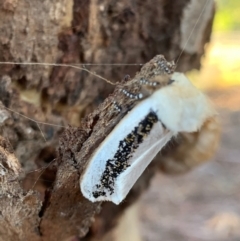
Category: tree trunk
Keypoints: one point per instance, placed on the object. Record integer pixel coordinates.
(80, 32)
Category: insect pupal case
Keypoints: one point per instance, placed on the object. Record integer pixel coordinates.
(122, 157)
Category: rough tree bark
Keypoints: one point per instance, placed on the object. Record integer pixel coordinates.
(79, 31)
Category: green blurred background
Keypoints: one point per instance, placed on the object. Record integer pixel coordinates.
(221, 63)
(227, 16)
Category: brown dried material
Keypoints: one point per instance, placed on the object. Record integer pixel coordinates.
(189, 150)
